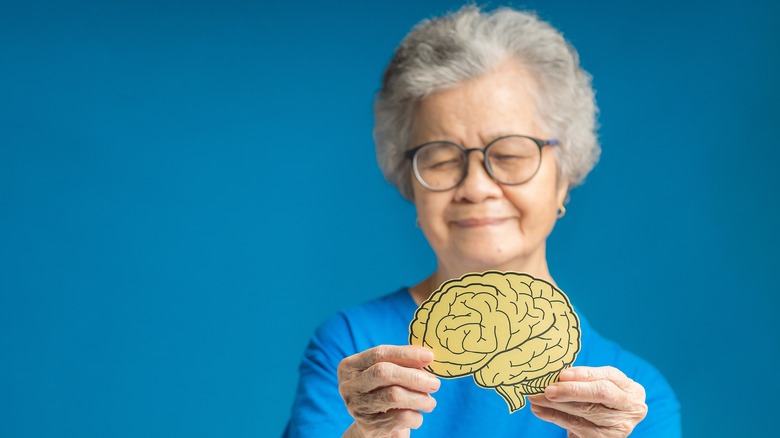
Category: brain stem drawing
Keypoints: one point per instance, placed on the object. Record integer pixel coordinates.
(512, 332)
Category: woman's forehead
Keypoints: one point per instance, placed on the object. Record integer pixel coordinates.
(500, 102)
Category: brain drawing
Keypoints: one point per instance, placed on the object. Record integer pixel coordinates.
(512, 332)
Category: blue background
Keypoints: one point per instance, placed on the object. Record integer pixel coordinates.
(187, 189)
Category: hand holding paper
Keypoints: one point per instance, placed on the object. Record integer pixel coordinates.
(592, 402)
(384, 389)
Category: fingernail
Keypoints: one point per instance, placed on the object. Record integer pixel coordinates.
(434, 384)
(426, 355)
(567, 375)
(551, 392)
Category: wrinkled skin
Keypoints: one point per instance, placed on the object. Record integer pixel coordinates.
(592, 403)
(385, 388)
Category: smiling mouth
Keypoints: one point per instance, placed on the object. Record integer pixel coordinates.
(479, 222)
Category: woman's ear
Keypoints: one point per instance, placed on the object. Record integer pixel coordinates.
(563, 191)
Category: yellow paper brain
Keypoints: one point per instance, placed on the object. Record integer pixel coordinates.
(513, 332)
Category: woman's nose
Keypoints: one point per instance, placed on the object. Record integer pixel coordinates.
(477, 185)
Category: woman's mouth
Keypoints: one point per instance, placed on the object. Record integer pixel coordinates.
(479, 222)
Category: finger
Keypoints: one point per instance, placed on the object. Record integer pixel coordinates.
(405, 355)
(595, 413)
(393, 420)
(393, 397)
(386, 374)
(571, 423)
(601, 391)
(589, 374)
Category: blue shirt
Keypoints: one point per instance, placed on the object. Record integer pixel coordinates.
(463, 409)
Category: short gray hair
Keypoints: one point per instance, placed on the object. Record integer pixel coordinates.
(445, 51)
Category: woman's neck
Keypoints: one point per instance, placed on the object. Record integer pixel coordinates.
(421, 291)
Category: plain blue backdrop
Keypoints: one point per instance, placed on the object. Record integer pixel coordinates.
(187, 189)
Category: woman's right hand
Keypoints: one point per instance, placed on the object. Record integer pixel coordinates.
(385, 388)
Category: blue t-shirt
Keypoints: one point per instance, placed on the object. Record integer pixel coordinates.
(463, 409)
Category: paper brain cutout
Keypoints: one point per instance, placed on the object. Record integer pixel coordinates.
(513, 332)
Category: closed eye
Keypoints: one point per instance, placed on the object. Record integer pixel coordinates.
(445, 165)
(503, 157)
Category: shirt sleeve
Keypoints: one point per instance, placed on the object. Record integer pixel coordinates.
(318, 409)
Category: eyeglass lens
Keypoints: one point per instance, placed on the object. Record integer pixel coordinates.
(510, 160)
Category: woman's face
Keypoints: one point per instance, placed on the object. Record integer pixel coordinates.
(481, 224)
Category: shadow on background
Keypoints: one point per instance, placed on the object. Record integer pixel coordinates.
(187, 189)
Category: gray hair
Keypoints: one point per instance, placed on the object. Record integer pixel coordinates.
(446, 51)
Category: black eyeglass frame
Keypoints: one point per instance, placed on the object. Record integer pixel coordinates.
(411, 155)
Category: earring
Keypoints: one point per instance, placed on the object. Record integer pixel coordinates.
(561, 211)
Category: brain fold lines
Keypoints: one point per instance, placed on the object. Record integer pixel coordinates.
(510, 331)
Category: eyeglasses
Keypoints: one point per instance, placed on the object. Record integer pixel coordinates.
(510, 160)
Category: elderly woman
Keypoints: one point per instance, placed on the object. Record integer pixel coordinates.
(485, 121)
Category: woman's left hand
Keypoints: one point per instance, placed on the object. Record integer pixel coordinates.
(592, 402)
